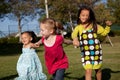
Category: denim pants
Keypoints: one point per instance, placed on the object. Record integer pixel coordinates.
(59, 74)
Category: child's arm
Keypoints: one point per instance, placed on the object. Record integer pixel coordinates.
(76, 42)
(37, 44)
(104, 31)
(68, 41)
(74, 36)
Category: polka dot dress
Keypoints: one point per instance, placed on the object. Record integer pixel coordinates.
(90, 50)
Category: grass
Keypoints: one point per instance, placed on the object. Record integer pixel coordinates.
(9, 54)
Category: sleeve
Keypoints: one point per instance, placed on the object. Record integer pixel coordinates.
(103, 31)
(75, 32)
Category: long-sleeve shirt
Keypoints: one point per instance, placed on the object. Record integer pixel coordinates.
(100, 30)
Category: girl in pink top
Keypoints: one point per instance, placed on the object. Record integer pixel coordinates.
(55, 57)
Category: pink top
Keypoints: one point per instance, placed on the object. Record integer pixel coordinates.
(55, 57)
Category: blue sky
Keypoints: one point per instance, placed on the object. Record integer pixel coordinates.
(4, 24)
(104, 1)
(11, 26)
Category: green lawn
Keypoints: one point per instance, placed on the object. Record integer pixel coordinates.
(9, 54)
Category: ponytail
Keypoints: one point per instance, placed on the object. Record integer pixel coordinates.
(59, 28)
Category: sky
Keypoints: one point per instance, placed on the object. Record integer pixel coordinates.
(11, 26)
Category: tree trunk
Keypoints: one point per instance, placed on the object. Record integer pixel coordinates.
(46, 7)
(19, 28)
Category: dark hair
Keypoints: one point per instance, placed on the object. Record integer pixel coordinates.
(92, 18)
(53, 24)
(32, 34)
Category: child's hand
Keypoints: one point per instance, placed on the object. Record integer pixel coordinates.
(76, 42)
(108, 23)
(36, 45)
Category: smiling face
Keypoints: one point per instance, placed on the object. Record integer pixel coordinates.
(84, 16)
(26, 38)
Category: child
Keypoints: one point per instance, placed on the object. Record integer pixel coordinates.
(55, 57)
(91, 51)
(29, 66)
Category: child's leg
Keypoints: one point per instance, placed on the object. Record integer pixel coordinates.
(59, 74)
(88, 74)
(98, 74)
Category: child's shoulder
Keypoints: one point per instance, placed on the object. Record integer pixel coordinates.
(79, 25)
(59, 37)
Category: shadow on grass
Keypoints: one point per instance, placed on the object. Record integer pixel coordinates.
(68, 76)
(106, 73)
(11, 49)
(11, 77)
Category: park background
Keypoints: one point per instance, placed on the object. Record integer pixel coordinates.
(17, 16)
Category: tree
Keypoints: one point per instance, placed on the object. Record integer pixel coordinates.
(91, 3)
(22, 8)
(113, 5)
(61, 9)
(103, 13)
(4, 8)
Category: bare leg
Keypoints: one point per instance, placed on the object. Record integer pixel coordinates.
(98, 74)
(88, 74)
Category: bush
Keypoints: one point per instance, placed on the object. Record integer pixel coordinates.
(12, 40)
(114, 33)
(9, 40)
(3, 40)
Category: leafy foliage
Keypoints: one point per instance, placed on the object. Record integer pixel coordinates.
(4, 8)
(114, 7)
(103, 13)
(61, 9)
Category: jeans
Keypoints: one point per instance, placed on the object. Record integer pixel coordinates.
(59, 74)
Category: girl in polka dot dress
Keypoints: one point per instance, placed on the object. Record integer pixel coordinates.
(91, 52)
